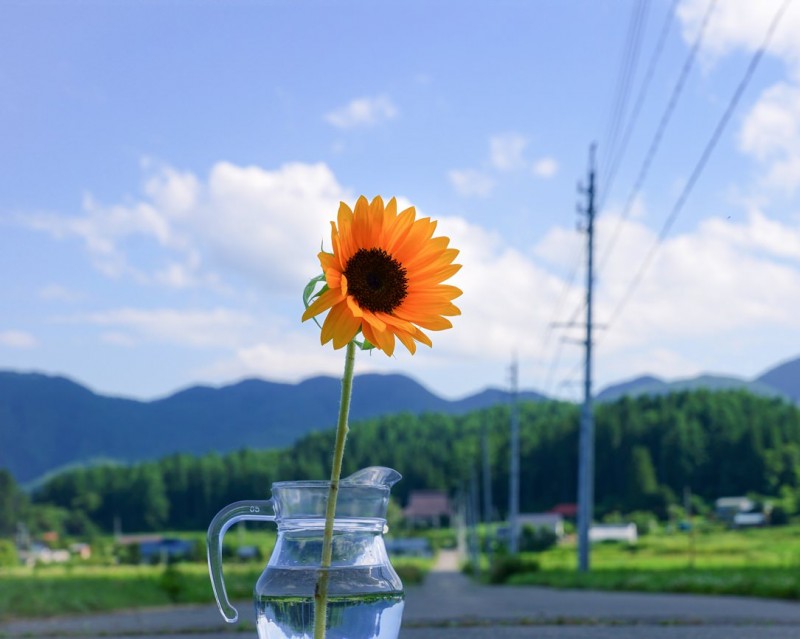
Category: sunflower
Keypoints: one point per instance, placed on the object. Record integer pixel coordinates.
(384, 278)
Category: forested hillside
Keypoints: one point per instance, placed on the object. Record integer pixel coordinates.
(51, 422)
(647, 450)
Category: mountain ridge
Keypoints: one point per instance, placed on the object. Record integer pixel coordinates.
(652, 385)
(51, 421)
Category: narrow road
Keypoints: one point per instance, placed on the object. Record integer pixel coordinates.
(449, 606)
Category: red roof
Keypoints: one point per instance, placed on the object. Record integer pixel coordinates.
(427, 503)
(565, 510)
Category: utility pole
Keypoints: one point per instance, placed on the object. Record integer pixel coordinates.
(487, 493)
(487, 476)
(474, 518)
(513, 493)
(586, 442)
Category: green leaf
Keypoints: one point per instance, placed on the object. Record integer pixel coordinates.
(308, 292)
(365, 344)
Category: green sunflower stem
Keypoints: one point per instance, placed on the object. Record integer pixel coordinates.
(321, 590)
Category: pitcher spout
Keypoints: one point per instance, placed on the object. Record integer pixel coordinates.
(374, 476)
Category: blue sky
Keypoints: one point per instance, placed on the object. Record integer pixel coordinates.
(170, 169)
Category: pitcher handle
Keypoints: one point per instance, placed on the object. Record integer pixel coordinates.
(224, 519)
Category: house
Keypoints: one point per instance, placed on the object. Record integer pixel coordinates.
(749, 520)
(41, 554)
(248, 553)
(726, 508)
(566, 510)
(155, 548)
(82, 550)
(428, 508)
(553, 522)
(614, 532)
(409, 547)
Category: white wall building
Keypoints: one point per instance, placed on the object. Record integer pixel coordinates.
(614, 532)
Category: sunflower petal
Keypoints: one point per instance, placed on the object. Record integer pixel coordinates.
(382, 340)
(421, 231)
(437, 277)
(339, 326)
(323, 303)
(334, 278)
(411, 312)
(439, 292)
(395, 321)
(327, 260)
(432, 251)
(355, 309)
(434, 323)
(399, 229)
(345, 220)
(360, 222)
(407, 340)
(375, 222)
(421, 337)
(377, 324)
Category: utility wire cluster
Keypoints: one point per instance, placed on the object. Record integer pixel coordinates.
(617, 148)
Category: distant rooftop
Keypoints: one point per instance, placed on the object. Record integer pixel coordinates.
(428, 503)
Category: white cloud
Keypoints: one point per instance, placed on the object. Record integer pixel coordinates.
(508, 298)
(771, 134)
(245, 221)
(724, 277)
(505, 151)
(215, 328)
(174, 193)
(545, 168)
(17, 339)
(771, 130)
(742, 24)
(366, 111)
(705, 304)
(469, 182)
(291, 358)
(103, 228)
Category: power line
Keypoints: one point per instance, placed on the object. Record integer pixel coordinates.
(548, 333)
(701, 163)
(659, 134)
(637, 107)
(627, 70)
(628, 65)
(554, 362)
(570, 377)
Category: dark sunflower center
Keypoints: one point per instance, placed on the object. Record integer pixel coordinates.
(376, 280)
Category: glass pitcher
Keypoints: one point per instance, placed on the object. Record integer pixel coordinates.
(365, 595)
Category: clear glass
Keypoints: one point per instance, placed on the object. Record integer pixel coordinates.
(365, 595)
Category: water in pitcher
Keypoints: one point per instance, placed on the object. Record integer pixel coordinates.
(375, 616)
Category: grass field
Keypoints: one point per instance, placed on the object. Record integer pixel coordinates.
(777, 547)
(45, 591)
(760, 562)
(763, 562)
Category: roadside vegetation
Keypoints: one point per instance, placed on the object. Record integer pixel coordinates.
(100, 584)
(759, 562)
